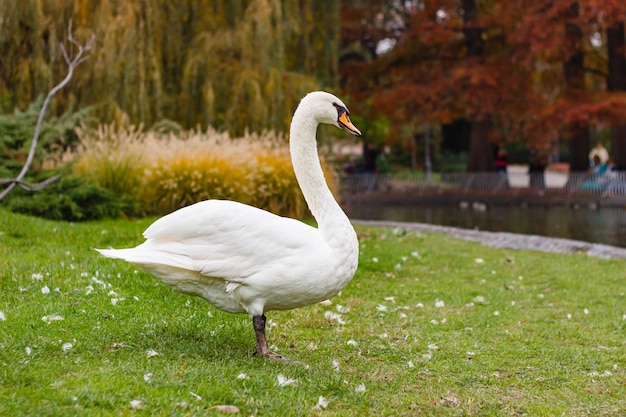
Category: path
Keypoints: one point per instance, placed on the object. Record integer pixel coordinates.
(510, 240)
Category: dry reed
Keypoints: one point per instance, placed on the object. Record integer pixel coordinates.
(169, 171)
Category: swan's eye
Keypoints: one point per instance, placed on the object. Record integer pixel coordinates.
(340, 109)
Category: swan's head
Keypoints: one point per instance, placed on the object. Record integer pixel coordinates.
(326, 108)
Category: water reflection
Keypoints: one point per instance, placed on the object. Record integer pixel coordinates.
(605, 225)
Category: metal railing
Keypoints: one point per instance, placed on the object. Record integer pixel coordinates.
(513, 183)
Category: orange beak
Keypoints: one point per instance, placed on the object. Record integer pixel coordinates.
(344, 121)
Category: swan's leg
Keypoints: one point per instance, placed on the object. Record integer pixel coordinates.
(261, 341)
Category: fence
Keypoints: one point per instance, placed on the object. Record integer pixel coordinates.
(515, 182)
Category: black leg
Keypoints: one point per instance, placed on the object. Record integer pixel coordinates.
(259, 331)
(261, 341)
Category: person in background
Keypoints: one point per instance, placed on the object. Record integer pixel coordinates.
(600, 152)
(500, 160)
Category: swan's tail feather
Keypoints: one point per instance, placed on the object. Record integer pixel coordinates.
(141, 257)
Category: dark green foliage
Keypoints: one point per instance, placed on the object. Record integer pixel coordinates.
(71, 199)
(16, 134)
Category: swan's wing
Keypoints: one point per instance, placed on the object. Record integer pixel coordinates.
(228, 240)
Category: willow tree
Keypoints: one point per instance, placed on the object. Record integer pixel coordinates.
(234, 64)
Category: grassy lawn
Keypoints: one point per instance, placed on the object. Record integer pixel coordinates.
(429, 326)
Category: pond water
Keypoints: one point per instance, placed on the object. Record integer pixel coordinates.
(604, 225)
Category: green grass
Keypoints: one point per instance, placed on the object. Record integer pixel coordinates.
(520, 333)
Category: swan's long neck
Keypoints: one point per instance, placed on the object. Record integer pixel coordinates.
(330, 217)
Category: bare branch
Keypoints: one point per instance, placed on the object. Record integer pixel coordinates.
(32, 187)
(72, 63)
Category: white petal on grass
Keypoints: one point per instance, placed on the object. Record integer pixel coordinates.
(439, 304)
(415, 254)
(496, 313)
(360, 388)
(36, 276)
(3, 316)
(586, 311)
(114, 301)
(136, 404)
(419, 305)
(326, 303)
(329, 315)
(147, 377)
(402, 315)
(284, 381)
(67, 346)
(479, 299)
(28, 350)
(374, 259)
(569, 316)
(604, 374)
(381, 307)
(410, 364)
(392, 299)
(322, 403)
(242, 376)
(150, 353)
(433, 346)
(479, 260)
(45, 290)
(342, 309)
(196, 396)
(435, 322)
(352, 342)
(54, 317)
(335, 364)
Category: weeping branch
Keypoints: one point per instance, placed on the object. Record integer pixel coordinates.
(78, 53)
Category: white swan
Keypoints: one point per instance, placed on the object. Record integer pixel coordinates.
(246, 260)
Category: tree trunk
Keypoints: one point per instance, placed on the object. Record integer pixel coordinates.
(575, 83)
(481, 149)
(616, 81)
(480, 156)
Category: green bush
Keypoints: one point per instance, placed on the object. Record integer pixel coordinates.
(69, 198)
(17, 130)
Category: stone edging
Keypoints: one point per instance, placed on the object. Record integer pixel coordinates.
(510, 240)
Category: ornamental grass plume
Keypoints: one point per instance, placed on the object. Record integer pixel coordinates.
(168, 171)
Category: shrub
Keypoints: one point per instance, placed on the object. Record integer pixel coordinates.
(70, 199)
(170, 170)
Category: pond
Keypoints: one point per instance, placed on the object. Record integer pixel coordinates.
(603, 225)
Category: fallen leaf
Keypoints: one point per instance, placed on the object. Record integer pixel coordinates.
(230, 409)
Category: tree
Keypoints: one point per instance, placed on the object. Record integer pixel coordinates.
(72, 61)
(616, 82)
(520, 73)
(481, 154)
(234, 64)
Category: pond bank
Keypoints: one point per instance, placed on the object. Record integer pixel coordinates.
(509, 240)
